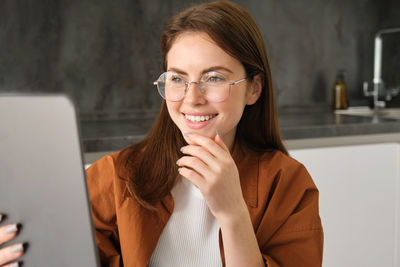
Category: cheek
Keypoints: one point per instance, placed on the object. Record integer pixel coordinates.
(174, 114)
(234, 118)
(231, 116)
(173, 109)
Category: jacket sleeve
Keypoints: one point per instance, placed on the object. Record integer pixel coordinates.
(290, 233)
(100, 178)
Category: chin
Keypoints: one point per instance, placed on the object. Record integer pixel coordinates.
(206, 134)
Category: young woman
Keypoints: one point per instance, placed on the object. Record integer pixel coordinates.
(212, 183)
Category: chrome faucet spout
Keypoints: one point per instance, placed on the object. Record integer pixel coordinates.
(378, 59)
(377, 80)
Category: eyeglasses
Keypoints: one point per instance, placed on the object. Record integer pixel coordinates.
(214, 86)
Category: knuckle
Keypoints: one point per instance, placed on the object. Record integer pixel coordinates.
(184, 160)
(197, 149)
(189, 172)
(182, 171)
(208, 142)
(194, 150)
(219, 170)
(193, 161)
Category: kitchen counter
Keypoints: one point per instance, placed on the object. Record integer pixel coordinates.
(324, 124)
(298, 128)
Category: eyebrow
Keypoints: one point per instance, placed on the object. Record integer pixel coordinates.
(213, 68)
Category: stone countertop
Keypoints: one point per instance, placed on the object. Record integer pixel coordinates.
(115, 134)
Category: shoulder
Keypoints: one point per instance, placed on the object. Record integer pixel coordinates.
(101, 175)
(107, 188)
(108, 175)
(104, 167)
(112, 165)
(283, 167)
(278, 160)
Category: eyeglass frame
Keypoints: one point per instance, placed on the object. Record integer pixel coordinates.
(198, 85)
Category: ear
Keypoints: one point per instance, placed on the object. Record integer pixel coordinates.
(254, 91)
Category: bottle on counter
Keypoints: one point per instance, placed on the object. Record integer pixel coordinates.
(340, 92)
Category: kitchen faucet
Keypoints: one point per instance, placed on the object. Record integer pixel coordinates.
(377, 81)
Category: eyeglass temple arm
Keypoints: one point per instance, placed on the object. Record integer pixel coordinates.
(233, 83)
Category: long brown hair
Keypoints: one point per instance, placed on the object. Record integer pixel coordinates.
(151, 162)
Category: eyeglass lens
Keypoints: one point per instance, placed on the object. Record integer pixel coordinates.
(213, 85)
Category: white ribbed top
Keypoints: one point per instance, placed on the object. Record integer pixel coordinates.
(190, 237)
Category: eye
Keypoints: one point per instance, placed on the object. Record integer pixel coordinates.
(175, 78)
(214, 77)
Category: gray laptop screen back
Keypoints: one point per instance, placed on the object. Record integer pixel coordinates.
(42, 181)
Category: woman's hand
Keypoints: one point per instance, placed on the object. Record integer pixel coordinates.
(10, 253)
(209, 165)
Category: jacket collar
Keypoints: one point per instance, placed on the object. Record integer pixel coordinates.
(247, 163)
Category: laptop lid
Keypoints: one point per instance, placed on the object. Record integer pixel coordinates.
(42, 180)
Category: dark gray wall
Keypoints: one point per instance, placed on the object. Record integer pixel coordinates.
(309, 41)
(391, 48)
(105, 54)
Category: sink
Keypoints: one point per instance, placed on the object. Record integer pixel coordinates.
(391, 113)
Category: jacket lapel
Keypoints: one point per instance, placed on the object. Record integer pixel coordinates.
(247, 163)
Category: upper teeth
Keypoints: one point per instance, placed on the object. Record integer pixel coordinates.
(199, 118)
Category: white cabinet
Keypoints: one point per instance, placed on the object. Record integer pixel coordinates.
(359, 202)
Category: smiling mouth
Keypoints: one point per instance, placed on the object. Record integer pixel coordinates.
(193, 118)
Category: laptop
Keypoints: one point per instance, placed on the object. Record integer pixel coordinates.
(42, 181)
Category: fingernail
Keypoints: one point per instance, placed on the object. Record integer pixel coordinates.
(187, 134)
(218, 133)
(11, 229)
(17, 248)
(14, 264)
(182, 148)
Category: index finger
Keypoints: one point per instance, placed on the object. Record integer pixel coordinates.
(209, 144)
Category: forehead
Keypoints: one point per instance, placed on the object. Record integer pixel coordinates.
(195, 51)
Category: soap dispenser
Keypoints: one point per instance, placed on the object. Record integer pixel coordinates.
(340, 91)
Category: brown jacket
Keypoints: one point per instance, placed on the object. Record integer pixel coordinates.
(281, 197)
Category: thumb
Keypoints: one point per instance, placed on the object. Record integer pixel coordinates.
(219, 141)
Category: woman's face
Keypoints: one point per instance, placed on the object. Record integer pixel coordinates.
(192, 54)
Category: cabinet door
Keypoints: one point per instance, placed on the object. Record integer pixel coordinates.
(359, 202)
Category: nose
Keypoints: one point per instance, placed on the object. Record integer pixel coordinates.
(193, 94)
